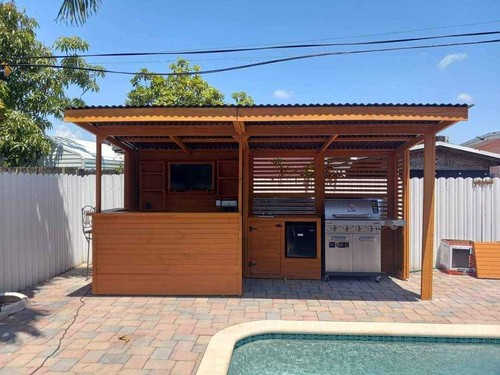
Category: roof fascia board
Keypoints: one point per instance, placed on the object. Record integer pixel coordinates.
(299, 113)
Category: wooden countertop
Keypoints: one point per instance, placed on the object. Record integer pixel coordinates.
(287, 218)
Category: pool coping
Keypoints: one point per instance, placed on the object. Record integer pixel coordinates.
(220, 348)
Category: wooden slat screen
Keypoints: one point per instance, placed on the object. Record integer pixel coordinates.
(399, 186)
(284, 206)
(283, 175)
(283, 185)
(357, 177)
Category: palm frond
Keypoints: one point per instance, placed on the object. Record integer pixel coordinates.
(76, 12)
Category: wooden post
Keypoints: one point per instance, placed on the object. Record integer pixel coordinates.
(406, 214)
(126, 180)
(389, 245)
(246, 198)
(241, 147)
(391, 187)
(428, 216)
(98, 173)
(319, 184)
(241, 156)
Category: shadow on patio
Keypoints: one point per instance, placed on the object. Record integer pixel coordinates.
(15, 328)
(337, 289)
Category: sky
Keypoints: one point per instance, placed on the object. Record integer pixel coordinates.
(460, 74)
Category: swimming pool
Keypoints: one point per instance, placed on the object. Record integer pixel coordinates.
(299, 354)
(280, 347)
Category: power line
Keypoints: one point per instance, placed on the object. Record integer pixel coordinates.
(261, 63)
(374, 34)
(234, 50)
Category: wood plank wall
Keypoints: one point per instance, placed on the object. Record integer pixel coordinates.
(189, 201)
(167, 253)
(487, 256)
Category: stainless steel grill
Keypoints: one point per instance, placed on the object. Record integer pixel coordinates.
(352, 237)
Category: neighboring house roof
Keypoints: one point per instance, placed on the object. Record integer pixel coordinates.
(460, 148)
(79, 153)
(483, 140)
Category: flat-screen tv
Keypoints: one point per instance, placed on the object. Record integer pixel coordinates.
(191, 177)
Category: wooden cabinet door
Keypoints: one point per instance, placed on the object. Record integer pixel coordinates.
(265, 247)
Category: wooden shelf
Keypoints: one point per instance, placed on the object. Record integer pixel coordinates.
(152, 186)
(227, 178)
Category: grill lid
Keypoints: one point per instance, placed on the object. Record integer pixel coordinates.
(352, 209)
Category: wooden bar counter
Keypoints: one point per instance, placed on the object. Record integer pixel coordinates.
(163, 253)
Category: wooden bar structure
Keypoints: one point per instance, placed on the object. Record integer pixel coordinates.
(283, 160)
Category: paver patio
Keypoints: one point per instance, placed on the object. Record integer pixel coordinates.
(149, 335)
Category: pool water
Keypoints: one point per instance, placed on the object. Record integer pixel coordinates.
(353, 355)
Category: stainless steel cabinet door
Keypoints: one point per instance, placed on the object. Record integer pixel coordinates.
(367, 253)
(338, 259)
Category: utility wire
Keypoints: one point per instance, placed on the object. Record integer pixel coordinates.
(373, 34)
(261, 63)
(233, 50)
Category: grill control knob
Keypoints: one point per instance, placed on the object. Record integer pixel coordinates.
(371, 228)
(334, 228)
(359, 228)
(346, 228)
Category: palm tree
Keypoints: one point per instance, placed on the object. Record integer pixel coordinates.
(76, 12)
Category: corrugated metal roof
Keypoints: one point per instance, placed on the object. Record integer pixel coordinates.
(163, 123)
(286, 146)
(365, 145)
(79, 153)
(281, 105)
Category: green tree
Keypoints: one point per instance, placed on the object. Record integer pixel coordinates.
(242, 98)
(30, 95)
(178, 90)
(76, 12)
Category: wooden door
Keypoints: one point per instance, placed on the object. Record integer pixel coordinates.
(265, 247)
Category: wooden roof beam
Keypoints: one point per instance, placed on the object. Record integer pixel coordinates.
(164, 130)
(286, 140)
(443, 125)
(312, 130)
(376, 139)
(239, 127)
(323, 139)
(181, 145)
(419, 139)
(260, 130)
(233, 139)
(146, 139)
(92, 129)
(313, 153)
(327, 144)
(405, 146)
(119, 144)
(87, 126)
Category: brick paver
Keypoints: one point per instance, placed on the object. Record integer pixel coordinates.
(149, 335)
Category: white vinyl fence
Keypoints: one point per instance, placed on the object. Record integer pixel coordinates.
(41, 225)
(466, 209)
(41, 234)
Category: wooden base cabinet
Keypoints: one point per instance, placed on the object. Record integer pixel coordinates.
(267, 250)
